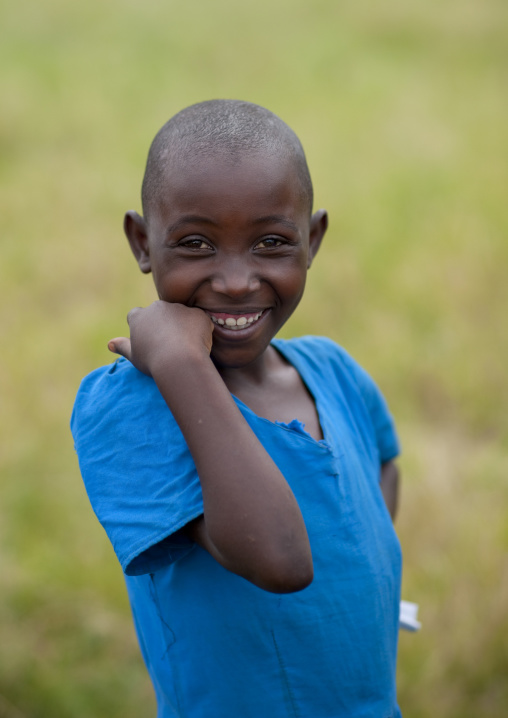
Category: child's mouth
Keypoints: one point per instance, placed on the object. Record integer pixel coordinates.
(235, 322)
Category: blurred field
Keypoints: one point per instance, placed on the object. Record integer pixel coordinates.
(403, 110)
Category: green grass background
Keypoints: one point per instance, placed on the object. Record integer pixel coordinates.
(403, 110)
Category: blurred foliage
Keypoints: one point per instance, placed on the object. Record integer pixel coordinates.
(403, 110)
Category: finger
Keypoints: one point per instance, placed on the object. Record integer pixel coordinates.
(120, 345)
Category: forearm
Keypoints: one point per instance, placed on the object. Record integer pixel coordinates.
(252, 521)
(389, 484)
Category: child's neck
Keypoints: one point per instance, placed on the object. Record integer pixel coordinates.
(274, 389)
(254, 375)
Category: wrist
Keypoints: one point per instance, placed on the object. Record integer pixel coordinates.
(180, 363)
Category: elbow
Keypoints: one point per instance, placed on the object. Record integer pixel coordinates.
(275, 569)
(287, 576)
(290, 584)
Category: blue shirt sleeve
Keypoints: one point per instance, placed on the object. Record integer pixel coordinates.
(382, 421)
(138, 472)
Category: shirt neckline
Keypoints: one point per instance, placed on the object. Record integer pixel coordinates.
(295, 426)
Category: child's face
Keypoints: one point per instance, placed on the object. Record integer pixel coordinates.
(234, 240)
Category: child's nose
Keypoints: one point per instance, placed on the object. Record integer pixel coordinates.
(236, 278)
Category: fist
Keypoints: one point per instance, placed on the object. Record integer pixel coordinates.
(163, 334)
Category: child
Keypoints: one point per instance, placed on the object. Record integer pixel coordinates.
(237, 475)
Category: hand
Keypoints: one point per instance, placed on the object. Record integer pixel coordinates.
(162, 334)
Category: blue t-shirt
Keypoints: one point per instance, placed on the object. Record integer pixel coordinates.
(216, 646)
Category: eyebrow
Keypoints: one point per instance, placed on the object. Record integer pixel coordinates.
(189, 219)
(277, 219)
(198, 219)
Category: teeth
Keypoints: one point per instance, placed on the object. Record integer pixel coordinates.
(235, 324)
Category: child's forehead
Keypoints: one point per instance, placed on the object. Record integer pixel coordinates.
(190, 169)
(254, 179)
(251, 180)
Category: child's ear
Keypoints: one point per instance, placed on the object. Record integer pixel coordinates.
(134, 227)
(318, 227)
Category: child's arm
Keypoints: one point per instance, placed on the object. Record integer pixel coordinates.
(252, 524)
(389, 484)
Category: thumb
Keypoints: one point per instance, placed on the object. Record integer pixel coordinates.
(120, 345)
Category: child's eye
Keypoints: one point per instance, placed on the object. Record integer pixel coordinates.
(270, 243)
(195, 243)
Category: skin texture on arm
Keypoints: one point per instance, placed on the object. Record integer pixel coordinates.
(252, 524)
(389, 483)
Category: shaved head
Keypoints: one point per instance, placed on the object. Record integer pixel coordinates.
(227, 129)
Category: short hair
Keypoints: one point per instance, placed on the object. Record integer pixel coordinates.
(228, 127)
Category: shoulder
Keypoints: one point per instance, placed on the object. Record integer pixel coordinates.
(118, 373)
(336, 374)
(109, 395)
(109, 384)
(334, 366)
(321, 352)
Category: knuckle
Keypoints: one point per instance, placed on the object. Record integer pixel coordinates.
(131, 314)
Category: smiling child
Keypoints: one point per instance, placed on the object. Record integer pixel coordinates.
(245, 482)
